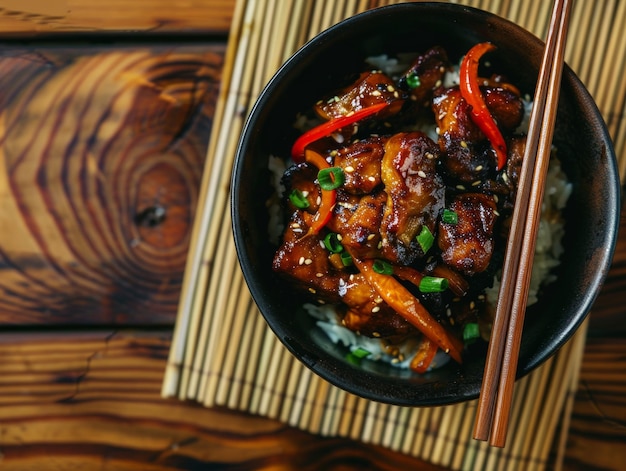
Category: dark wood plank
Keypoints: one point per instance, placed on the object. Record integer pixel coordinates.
(36, 17)
(103, 149)
(92, 401)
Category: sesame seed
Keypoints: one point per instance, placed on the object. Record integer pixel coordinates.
(472, 305)
(318, 201)
(333, 153)
(421, 173)
(305, 193)
(349, 169)
(496, 213)
(376, 334)
(319, 275)
(339, 237)
(464, 144)
(460, 187)
(437, 130)
(495, 198)
(395, 360)
(371, 236)
(376, 309)
(295, 225)
(429, 155)
(372, 179)
(476, 183)
(505, 177)
(350, 113)
(301, 261)
(390, 88)
(308, 261)
(438, 83)
(479, 168)
(378, 300)
(401, 357)
(312, 290)
(396, 94)
(376, 93)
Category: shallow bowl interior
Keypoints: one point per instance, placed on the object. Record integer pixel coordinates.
(321, 65)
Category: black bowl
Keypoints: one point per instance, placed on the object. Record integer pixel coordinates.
(585, 150)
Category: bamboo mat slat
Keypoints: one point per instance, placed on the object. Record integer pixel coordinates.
(216, 312)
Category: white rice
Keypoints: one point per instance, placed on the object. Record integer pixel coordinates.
(548, 248)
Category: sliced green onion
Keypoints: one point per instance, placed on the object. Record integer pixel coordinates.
(357, 355)
(471, 332)
(425, 238)
(346, 259)
(330, 178)
(332, 244)
(433, 284)
(298, 199)
(413, 80)
(360, 352)
(382, 267)
(449, 216)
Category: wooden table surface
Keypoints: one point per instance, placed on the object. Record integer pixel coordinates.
(102, 144)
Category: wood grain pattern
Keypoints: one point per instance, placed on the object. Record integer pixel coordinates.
(37, 17)
(102, 152)
(84, 244)
(92, 401)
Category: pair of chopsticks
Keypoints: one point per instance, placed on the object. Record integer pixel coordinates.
(494, 402)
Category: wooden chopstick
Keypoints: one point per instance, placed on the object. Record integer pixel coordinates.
(501, 365)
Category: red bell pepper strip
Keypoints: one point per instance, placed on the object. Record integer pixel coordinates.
(470, 91)
(325, 210)
(408, 306)
(424, 356)
(329, 127)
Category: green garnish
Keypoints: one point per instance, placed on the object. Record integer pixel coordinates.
(425, 238)
(471, 332)
(382, 267)
(413, 80)
(332, 244)
(356, 355)
(330, 178)
(346, 259)
(449, 216)
(298, 199)
(433, 284)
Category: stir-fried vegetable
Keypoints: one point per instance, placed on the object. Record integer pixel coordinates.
(408, 306)
(470, 91)
(329, 127)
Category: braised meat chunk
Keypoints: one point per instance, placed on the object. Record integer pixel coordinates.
(468, 244)
(415, 194)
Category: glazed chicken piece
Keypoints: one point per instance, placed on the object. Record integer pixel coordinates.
(367, 314)
(468, 156)
(358, 224)
(305, 261)
(425, 74)
(415, 194)
(369, 89)
(360, 163)
(468, 245)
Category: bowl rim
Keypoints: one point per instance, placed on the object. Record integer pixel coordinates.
(321, 367)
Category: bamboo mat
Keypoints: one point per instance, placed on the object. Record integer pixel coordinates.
(218, 323)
